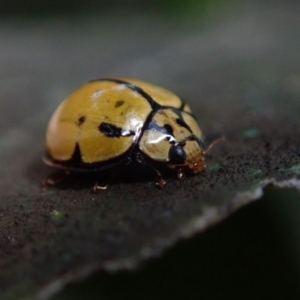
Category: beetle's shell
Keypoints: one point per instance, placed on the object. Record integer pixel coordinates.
(101, 122)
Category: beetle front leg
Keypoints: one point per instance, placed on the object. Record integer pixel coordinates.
(159, 181)
(180, 174)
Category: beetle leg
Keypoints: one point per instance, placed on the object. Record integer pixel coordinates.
(104, 185)
(180, 174)
(159, 181)
(97, 186)
(54, 179)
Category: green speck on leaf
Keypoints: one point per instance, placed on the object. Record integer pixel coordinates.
(250, 132)
(56, 215)
(294, 169)
(254, 171)
(215, 167)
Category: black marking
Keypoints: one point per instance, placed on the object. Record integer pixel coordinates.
(154, 104)
(76, 164)
(166, 129)
(81, 120)
(76, 157)
(114, 131)
(180, 121)
(119, 103)
(177, 154)
(183, 103)
(199, 141)
(169, 129)
(179, 109)
(170, 139)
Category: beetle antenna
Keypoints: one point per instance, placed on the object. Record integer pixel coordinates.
(217, 141)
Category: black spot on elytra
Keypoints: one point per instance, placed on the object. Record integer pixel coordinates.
(81, 120)
(119, 103)
(168, 129)
(114, 131)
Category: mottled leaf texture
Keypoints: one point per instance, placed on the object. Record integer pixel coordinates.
(241, 77)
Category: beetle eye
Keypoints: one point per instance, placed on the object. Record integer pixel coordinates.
(177, 154)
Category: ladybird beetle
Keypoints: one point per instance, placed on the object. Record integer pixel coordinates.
(114, 121)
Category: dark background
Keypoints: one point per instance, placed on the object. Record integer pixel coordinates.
(65, 6)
